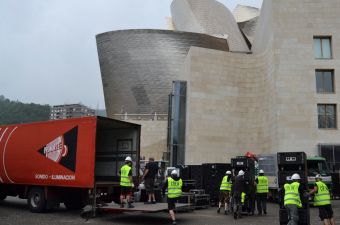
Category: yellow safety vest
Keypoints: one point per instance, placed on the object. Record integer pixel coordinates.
(174, 188)
(243, 197)
(225, 185)
(262, 186)
(292, 195)
(124, 176)
(322, 197)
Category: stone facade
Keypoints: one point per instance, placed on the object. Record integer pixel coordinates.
(267, 101)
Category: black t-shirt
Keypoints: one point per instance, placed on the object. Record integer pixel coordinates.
(153, 170)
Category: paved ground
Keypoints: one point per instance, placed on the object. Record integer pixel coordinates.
(14, 211)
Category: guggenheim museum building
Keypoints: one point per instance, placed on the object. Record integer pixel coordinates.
(218, 83)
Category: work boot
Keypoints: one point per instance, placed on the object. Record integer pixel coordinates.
(174, 222)
(130, 206)
(218, 210)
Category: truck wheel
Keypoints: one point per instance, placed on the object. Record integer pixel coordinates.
(36, 200)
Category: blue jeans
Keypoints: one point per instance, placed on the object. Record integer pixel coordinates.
(293, 214)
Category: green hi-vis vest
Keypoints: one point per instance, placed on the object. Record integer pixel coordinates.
(322, 197)
(124, 176)
(174, 188)
(243, 197)
(225, 185)
(262, 186)
(292, 196)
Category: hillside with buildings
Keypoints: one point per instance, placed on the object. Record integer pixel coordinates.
(12, 112)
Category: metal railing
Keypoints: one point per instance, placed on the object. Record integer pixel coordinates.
(152, 116)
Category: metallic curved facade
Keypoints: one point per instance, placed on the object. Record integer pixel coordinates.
(138, 66)
(208, 17)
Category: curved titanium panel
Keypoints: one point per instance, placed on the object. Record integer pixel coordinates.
(138, 66)
(208, 17)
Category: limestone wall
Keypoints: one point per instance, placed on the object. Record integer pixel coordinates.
(153, 137)
(226, 105)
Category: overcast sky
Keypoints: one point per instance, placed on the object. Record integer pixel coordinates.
(48, 52)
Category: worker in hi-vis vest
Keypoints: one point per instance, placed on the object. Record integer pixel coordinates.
(225, 189)
(292, 199)
(126, 183)
(322, 200)
(174, 185)
(261, 192)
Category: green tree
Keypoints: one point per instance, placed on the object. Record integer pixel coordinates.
(12, 112)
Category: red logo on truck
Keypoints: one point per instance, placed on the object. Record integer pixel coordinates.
(56, 149)
(63, 149)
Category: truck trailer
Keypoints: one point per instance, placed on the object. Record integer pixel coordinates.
(72, 161)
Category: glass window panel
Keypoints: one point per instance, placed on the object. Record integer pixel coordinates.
(322, 121)
(326, 48)
(317, 48)
(319, 85)
(321, 109)
(330, 110)
(330, 122)
(327, 152)
(328, 81)
(337, 153)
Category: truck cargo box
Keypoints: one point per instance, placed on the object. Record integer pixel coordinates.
(66, 156)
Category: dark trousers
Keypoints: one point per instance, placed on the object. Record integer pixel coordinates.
(237, 204)
(261, 202)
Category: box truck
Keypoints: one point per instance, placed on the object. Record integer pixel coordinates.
(73, 161)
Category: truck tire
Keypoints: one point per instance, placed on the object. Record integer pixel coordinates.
(36, 200)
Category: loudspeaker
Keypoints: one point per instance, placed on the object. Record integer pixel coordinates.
(213, 174)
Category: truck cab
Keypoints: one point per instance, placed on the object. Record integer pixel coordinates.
(317, 165)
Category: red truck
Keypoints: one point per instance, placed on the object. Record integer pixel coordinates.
(72, 161)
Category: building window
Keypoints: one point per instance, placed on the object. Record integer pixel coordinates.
(322, 47)
(324, 81)
(327, 116)
(332, 155)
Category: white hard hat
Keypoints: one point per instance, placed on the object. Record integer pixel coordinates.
(241, 173)
(174, 172)
(128, 159)
(261, 171)
(318, 176)
(296, 176)
(228, 172)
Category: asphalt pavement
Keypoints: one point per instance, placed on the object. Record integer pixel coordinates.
(14, 211)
